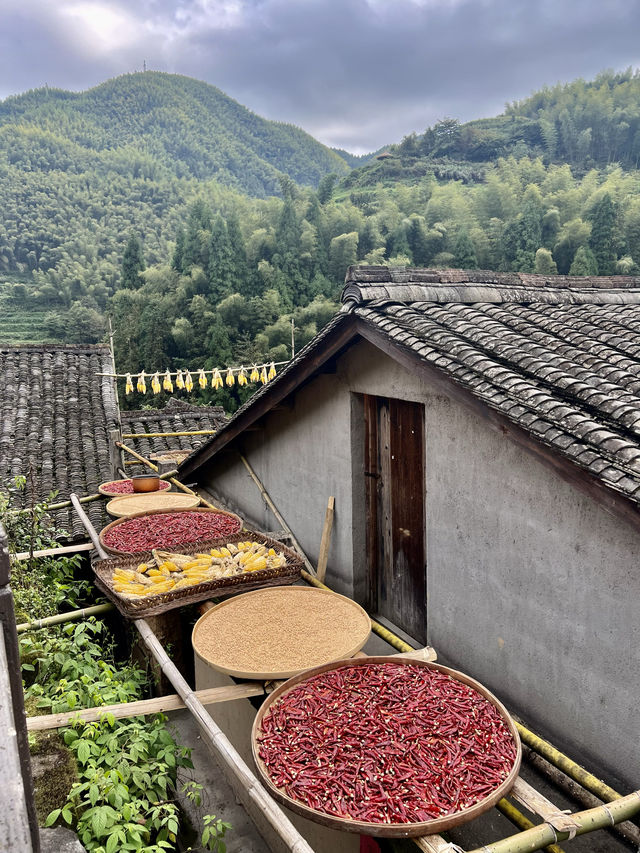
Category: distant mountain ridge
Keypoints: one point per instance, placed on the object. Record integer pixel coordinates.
(169, 124)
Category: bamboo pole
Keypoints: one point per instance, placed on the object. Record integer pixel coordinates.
(588, 821)
(168, 434)
(249, 791)
(573, 789)
(53, 552)
(275, 511)
(172, 702)
(61, 618)
(88, 526)
(562, 762)
(325, 540)
(518, 819)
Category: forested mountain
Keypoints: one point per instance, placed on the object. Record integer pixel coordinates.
(154, 125)
(588, 124)
(196, 274)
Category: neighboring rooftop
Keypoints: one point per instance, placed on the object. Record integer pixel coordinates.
(556, 356)
(177, 416)
(55, 418)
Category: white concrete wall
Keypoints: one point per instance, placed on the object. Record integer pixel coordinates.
(532, 587)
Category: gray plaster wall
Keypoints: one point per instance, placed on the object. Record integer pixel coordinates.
(532, 587)
(302, 456)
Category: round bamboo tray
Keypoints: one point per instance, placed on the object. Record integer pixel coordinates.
(206, 537)
(386, 830)
(104, 489)
(289, 628)
(126, 505)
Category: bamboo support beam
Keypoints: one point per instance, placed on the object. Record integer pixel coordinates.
(588, 821)
(573, 789)
(270, 820)
(562, 762)
(172, 702)
(82, 515)
(523, 823)
(168, 434)
(275, 511)
(53, 552)
(62, 618)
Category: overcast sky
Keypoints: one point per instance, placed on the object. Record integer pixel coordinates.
(356, 74)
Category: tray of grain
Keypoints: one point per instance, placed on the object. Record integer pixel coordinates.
(386, 746)
(278, 632)
(139, 607)
(126, 505)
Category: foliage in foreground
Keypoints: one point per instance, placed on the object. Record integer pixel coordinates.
(125, 796)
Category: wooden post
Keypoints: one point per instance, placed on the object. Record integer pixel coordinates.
(325, 541)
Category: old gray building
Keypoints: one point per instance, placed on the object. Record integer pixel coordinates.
(481, 435)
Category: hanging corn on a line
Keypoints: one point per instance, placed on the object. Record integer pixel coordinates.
(184, 380)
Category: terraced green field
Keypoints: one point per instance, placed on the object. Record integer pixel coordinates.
(22, 325)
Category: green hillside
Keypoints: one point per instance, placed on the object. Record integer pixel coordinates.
(154, 125)
(587, 124)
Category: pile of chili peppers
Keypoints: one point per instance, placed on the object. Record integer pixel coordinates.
(385, 743)
(169, 530)
(125, 487)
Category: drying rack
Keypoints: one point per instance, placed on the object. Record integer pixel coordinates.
(613, 810)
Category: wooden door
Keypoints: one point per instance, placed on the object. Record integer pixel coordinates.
(395, 502)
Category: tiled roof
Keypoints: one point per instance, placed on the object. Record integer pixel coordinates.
(55, 418)
(559, 359)
(177, 416)
(557, 356)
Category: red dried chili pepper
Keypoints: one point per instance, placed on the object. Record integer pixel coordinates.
(386, 743)
(169, 530)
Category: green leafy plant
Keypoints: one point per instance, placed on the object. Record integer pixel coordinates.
(214, 832)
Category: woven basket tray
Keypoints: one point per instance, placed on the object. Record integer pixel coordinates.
(156, 512)
(153, 605)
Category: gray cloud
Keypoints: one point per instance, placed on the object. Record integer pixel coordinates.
(355, 73)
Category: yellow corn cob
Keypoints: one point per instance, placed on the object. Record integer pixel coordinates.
(230, 379)
(256, 564)
(155, 383)
(255, 374)
(242, 376)
(263, 375)
(141, 384)
(128, 384)
(272, 372)
(188, 381)
(167, 384)
(202, 378)
(179, 380)
(216, 379)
